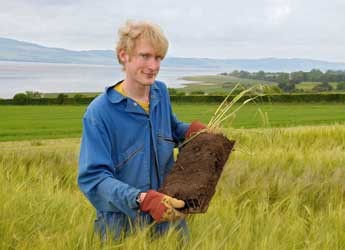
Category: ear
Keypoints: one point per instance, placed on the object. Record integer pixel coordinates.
(124, 57)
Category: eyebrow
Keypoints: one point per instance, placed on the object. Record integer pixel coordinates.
(149, 54)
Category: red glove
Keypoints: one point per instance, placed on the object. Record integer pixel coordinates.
(162, 207)
(194, 127)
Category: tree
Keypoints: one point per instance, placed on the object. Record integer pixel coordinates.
(283, 78)
(297, 77)
(20, 98)
(287, 87)
(61, 98)
(235, 73)
(284, 82)
(341, 86)
(260, 75)
(33, 94)
(78, 98)
(244, 74)
(323, 87)
(172, 91)
(315, 75)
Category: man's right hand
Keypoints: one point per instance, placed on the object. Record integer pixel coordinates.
(162, 207)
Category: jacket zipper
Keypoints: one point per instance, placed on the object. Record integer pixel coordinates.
(155, 155)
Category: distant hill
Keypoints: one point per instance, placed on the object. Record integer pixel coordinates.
(14, 50)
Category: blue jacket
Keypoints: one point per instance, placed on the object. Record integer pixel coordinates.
(124, 150)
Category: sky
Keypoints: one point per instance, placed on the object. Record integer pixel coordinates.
(234, 29)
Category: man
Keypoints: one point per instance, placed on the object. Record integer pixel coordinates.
(129, 133)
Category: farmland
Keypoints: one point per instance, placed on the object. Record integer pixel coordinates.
(283, 188)
(308, 86)
(223, 83)
(37, 122)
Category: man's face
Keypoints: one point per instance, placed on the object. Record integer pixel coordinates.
(144, 64)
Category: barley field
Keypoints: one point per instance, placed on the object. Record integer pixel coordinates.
(283, 188)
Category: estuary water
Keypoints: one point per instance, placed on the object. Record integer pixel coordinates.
(16, 77)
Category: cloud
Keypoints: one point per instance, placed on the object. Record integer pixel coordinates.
(219, 28)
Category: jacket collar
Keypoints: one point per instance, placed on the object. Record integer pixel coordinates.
(116, 97)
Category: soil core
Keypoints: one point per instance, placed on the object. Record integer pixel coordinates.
(195, 174)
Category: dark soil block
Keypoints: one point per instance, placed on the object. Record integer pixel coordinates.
(197, 170)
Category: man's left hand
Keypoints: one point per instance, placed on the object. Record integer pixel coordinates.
(194, 127)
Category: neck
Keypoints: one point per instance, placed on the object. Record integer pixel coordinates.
(136, 91)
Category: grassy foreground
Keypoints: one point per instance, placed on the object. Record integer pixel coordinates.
(37, 122)
(283, 188)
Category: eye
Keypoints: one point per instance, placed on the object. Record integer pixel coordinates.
(145, 56)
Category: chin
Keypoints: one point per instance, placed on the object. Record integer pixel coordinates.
(148, 82)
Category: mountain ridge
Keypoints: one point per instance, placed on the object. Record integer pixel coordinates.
(20, 51)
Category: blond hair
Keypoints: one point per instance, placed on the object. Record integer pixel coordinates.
(131, 31)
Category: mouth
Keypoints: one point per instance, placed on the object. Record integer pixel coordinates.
(150, 75)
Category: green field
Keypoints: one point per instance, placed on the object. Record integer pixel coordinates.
(308, 86)
(283, 188)
(32, 122)
(37, 122)
(217, 83)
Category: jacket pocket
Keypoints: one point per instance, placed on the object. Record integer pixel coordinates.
(131, 167)
(128, 155)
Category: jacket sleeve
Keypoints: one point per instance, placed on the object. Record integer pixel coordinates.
(96, 172)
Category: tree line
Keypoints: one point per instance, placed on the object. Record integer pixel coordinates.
(287, 81)
(28, 96)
